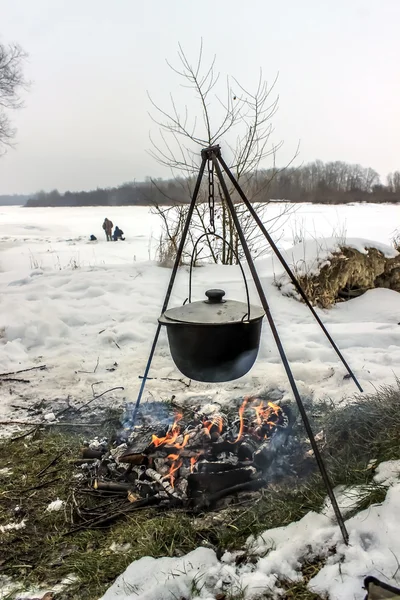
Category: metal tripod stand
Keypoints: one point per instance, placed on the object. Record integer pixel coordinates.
(212, 157)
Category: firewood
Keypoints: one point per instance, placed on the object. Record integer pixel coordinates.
(90, 453)
(112, 486)
(133, 459)
(164, 483)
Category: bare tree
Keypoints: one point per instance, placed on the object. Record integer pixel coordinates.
(393, 182)
(238, 119)
(12, 82)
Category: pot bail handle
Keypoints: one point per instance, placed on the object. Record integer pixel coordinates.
(193, 259)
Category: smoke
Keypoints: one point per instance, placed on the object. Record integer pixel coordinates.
(151, 415)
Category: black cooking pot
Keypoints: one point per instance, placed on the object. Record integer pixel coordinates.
(214, 340)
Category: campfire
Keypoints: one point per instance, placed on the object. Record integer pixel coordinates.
(194, 461)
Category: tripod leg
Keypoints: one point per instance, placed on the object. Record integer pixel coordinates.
(287, 268)
(282, 353)
(170, 284)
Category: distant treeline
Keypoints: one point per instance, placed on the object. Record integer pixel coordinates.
(13, 200)
(317, 182)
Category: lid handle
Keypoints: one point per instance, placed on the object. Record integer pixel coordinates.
(215, 296)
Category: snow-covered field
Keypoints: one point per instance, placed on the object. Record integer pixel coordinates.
(88, 311)
(66, 302)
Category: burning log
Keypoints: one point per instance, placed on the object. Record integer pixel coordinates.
(164, 483)
(211, 499)
(209, 483)
(191, 465)
(216, 467)
(133, 459)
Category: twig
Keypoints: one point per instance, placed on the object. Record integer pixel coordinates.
(94, 370)
(14, 380)
(41, 485)
(24, 435)
(53, 424)
(40, 368)
(120, 387)
(92, 386)
(169, 379)
(78, 408)
(107, 519)
(51, 463)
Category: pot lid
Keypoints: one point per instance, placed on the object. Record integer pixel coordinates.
(214, 311)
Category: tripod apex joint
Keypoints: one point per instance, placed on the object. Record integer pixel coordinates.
(207, 153)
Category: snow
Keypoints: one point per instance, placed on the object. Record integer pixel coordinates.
(6, 472)
(308, 257)
(12, 526)
(374, 544)
(55, 506)
(347, 498)
(8, 587)
(388, 473)
(94, 324)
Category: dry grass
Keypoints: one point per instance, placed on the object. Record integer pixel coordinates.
(40, 554)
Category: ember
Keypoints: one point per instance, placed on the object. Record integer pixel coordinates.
(195, 462)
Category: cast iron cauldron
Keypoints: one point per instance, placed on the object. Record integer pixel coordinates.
(214, 340)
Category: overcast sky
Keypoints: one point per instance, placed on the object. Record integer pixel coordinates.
(91, 63)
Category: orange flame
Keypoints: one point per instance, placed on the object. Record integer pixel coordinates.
(176, 465)
(258, 410)
(173, 456)
(171, 435)
(216, 421)
(263, 413)
(241, 411)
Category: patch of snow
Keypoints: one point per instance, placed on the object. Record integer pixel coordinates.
(7, 586)
(13, 526)
(6, 472)
(50, 417)
(68, 580)
(388, 473)
(55, 506)
(347, 498)
(310, 256)
(120, 548)
(96, 444)
(374, 543)
(164, 578)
